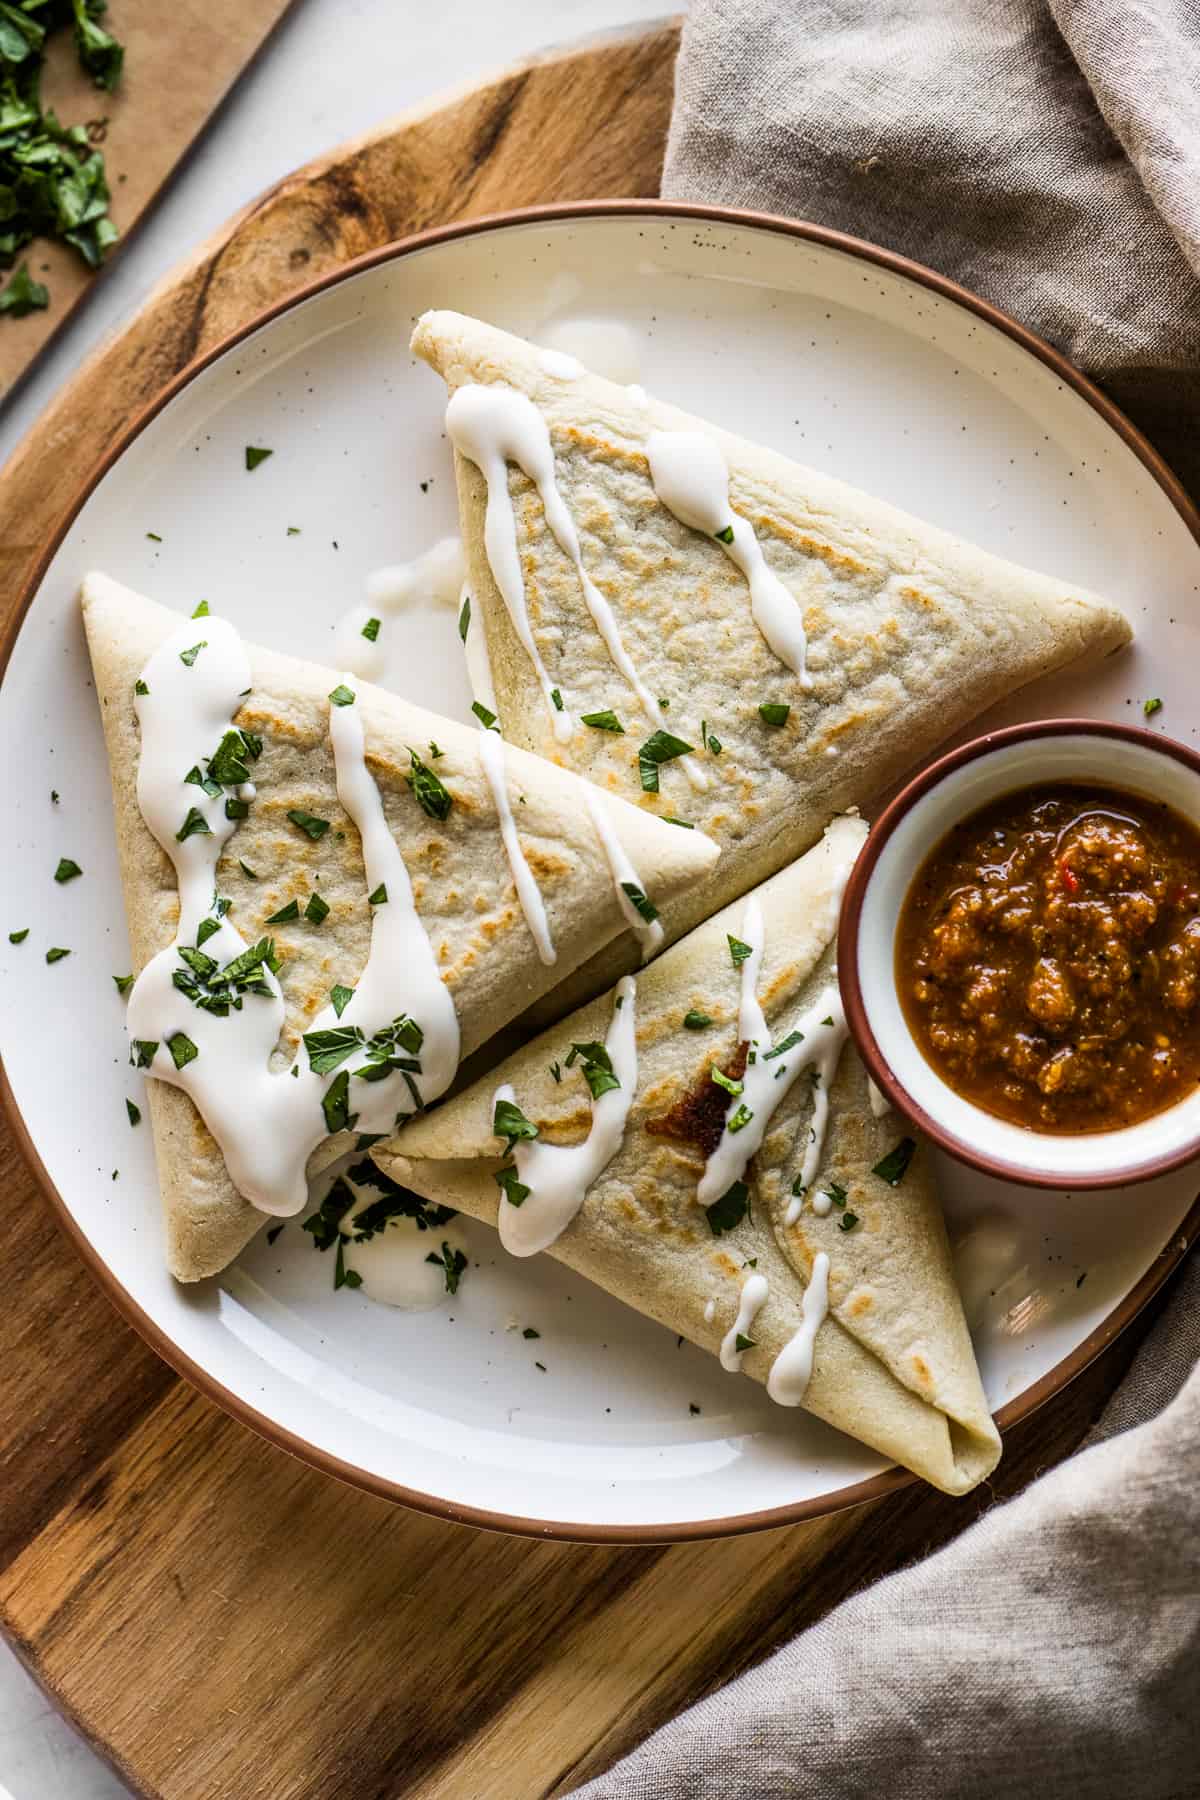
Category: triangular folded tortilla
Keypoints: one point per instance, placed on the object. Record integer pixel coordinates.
(893, 1363)
(910, 631)
(462, 879)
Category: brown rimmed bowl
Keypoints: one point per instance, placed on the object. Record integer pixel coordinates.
(1119, 757)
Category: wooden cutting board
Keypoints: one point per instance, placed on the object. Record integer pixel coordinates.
(224, 1623)
(181, 63)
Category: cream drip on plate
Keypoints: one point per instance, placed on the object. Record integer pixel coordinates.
(558, 1176)
(691, 479)
(267, 1123)
(491, 427)
(365, 632)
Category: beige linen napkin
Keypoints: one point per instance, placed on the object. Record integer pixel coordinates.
(1046, 153)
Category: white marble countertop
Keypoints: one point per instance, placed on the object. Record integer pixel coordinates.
(375, 57)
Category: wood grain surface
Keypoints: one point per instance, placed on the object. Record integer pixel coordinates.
(181, 63)
(223, 1622)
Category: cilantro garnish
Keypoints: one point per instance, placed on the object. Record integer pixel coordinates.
(379, 897)
(141, 1052)
(725, 535)
(557, 699)
(484, 714)
(738, 950)
(182, 1049)
(728, 1082)
(317, 910)
(662, 747)
(740, 1119)
(329, 1049)
(342, 695)
(893, 1167)
(848, 1221)
(255, 454)
(285, 914)
(341, 998)
(774, 712)
(247, 871)
(56, 954)
(513, 1189)
(728, 1212)
(135, 1112)
(603, 721)
(510, 1123)
(452, 1263)
(742, 1342)
(336, 1105)
(644, 908)
(308, 822)
(371, 630)
(433, 798)
(789, 1043)
(694, 1020)
(596, 1063)
(1150, 707)
(18, 937)
(139, 686)
(24, 295)
(188, 657)
(464, 618)
(202, 610)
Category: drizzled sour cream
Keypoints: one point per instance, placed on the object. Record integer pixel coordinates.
(268, 1123)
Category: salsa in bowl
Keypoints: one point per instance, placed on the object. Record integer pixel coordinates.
(1020, 953)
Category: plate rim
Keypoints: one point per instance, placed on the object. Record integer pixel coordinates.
(874, 1487)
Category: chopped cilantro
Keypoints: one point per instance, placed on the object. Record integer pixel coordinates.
(781, 1049)
(122, 983)
(371, 630)
(694, 1020)
(486, 717)
(725, 535)
(188, 657)
(513, 1189)
(661, 748)
(557, 699)
(737, 950)
(740, 1119)
(341, 998)
(23, 294)
(848, 1221)
(308, 823)
(141, 1052)
(1150, 707)
(644, 908)
(139, 686)
(255, 455)
(774, 712)
(342, 695)
(510, 1123)
(285, 914)
(336, 1105)
(202, 610)
(317, 910)
(596, 1063)
(433, 798)
(56, 954)
(135, 1113)
(464, 618)
(18, 937)
(379, 897)
(329, 1049)
(742, 1342)
(182, 1049)
(893, 1167)
(67, 869)
(728, 1212)
(603, 721)
(452, 1263)
(247, 871)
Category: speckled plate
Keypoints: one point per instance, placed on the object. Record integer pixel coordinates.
(831, 351)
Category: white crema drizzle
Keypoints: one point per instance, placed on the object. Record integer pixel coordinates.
(822, 1028)
(691, 479)
(491, 755)
(267, 1124)
(791, 1371)
(493, 426)
(558, 1176)
(623, 872)
(754, 1296)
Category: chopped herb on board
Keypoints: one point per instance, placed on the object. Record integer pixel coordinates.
(255, 454)
(51, 175)
(24, 295)
(728, 1212)
(893, 1167)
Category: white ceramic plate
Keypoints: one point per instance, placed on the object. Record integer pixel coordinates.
(815, 347)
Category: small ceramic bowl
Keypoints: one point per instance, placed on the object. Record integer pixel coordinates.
(1053, 750)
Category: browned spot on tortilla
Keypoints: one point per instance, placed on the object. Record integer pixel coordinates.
(545, 864)
(811, 546)
(699, 1117)
(725, 1263)
(922, 1371)
(915, 597)
(860, 1304)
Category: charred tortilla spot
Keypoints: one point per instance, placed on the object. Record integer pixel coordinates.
(699, 1117)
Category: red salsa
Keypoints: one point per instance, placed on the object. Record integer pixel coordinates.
(1048, 958)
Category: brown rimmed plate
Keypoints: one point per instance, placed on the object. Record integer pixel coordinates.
(830, 350)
